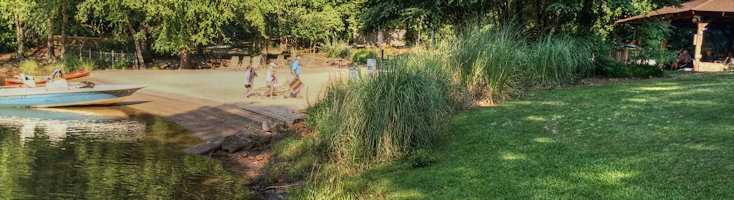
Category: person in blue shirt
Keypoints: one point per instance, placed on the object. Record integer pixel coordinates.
(295, 84)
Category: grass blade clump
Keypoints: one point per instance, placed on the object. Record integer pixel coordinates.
(487, 61)
(557, 61)
(385, 115)
(500, 63)
(29, 66)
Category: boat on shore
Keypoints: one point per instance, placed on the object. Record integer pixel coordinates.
(76, 95)
(17, 82)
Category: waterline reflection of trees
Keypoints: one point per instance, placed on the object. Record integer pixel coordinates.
(86, 165)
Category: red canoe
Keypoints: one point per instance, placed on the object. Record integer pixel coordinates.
(43, 79)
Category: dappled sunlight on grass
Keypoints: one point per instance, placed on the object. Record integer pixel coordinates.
(701, 147)
(512, 156)
(607, 177)
(669, 88)
(544, 140)
(537, 118)
(640, 139)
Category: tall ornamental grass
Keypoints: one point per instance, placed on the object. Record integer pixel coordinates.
(385, 115)
(557, 61)
(29, 67)
(488, 61)
(500, 63)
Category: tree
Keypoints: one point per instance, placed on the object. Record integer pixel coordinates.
(182, 25)
(18, 11)
(121, 16)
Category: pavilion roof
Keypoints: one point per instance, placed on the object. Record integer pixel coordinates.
(688, 9)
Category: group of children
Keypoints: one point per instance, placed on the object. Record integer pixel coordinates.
(294, 85)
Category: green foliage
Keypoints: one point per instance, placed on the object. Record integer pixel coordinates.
(7, 39)
(189, 23)
(86, 65)
(361, 56)
(608, 67)
(633, 71)
(29, 66)
(652, 34)
(71, 62)
(419, 158)
(123, 64)
(337, 49)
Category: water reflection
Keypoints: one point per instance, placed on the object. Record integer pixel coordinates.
(107, 124)
(113, 153)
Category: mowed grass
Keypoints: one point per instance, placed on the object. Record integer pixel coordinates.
(669, 138)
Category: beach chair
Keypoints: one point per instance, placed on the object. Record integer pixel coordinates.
(245, 62)
(234, 61)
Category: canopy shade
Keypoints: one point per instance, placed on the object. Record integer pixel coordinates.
(723, 8)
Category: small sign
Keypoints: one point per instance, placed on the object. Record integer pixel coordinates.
(371, 65)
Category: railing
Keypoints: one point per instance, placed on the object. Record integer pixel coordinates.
(110, 57)
(624, 54)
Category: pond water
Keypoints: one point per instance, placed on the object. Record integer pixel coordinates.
(105, 153)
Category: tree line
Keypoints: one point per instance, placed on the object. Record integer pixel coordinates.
(179, 27)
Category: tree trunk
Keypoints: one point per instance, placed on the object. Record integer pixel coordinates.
(587, 16)
(379, 38)
(433, 37)
(49, 38)
(185, 57)
(64, 23)
(144, 41)
(19, 36)
(420, 25)
(539, 16)
(138, 49)
(519, 7)
(283, 40)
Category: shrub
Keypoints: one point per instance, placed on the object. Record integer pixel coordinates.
(71, 62)
(337, 49)
(86, 65)
(419, 158)
(633, 71)
(361, 56)
(29, 66)
(123, 64)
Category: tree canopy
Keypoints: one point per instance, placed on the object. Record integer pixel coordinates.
(172, 27)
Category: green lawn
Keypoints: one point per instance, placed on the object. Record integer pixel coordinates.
(668, 138)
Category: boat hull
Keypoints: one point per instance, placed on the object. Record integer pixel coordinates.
(9, 82)
(73, 97)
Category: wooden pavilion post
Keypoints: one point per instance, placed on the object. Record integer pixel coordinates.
(698, 40)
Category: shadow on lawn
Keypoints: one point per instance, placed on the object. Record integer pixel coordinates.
(663, 138)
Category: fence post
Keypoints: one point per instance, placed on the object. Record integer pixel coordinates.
(90, 54)
(113, 58)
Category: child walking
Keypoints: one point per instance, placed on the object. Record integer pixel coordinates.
(249, 79)
(270, 79)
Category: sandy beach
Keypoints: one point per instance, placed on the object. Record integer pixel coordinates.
(210, 103)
